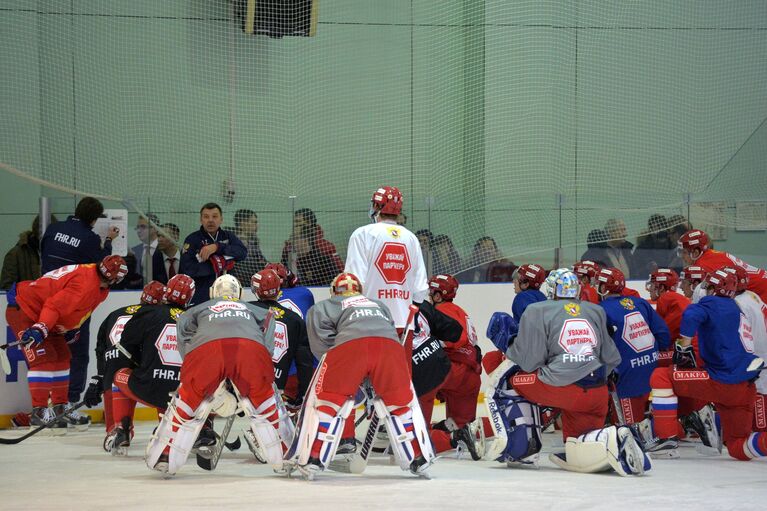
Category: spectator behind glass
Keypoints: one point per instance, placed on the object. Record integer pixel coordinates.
(246, 228)
(147, 235)
(678, 225)
(22, 262)
(487, 264)
(654, 248)
(315, 268)
(305, 217)
(596, 242)
(446, 258)
(619, 251)
(167, 258)
(426, 240)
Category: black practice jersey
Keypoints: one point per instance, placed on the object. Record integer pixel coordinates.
(431, 364)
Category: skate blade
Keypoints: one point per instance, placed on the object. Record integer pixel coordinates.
(707, 451)
(671, 454)
(120, 450)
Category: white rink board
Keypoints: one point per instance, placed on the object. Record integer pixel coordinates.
(479, 301)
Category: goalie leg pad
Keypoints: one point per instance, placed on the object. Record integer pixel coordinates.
(176, 433)
(321, 430)
(520, 421)
(601, 450)
(264, 420)
(407, 431)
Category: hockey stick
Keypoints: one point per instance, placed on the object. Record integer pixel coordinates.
(5, 363)
(210, 462)
(52, 422)
(359, 461)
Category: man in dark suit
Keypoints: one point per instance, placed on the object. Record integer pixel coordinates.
(167, 257)
(147, 235)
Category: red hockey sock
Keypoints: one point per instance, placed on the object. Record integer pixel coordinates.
(122, 406)
(441, 440)
(752, 447)
(109, 421)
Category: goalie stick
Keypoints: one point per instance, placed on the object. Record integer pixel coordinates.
(208, 459)
(356, 463)
(11, 441)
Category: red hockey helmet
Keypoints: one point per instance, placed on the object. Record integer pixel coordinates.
(532, 275)
(586, 269)
(113, 268)
(387, 200)
(741, 275)
(265, 284)
(180, 290)
(287, 277)
(665, 277)
(152, 293)
(694, 239)
(693, 274)
(722, 282)
(611, 280)
(345, 284)
(445, 285)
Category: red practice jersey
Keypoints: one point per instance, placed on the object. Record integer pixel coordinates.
(64, 298)
(713, 260)
(589, 294)
(463, 350)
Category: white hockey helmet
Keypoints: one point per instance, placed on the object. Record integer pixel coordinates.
(562, 283)
(226, 287)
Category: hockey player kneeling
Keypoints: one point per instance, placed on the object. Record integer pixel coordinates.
(564, 353)
(222, 338)
(356, 338)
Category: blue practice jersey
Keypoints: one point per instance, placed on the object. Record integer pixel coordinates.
(717, 320)
(638, 332)
(71, 242)
(523, 299)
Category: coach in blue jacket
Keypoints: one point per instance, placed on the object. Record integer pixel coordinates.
(210, 251)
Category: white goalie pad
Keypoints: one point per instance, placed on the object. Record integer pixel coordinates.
(310, 430)
(180, 441)
(267, 436)
(601, 450)
(399, 436)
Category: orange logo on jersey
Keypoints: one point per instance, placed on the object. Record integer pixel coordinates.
(573, 309)
(628, 304)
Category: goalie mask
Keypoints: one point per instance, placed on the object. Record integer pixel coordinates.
(562, 283)
(226, 287)
(345, 284)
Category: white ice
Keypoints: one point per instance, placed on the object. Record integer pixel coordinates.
(73, 472)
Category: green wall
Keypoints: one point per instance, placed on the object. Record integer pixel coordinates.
(488, 114)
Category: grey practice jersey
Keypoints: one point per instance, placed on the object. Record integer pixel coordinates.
(565, 339)
(223, 319)
(340, 319)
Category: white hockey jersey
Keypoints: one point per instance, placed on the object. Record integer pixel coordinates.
(387, 259)
(755, 311)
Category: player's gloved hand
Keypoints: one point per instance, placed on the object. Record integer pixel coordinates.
(34, 335)
(684, 356)
(94, 391)
(219, 264)
(502, 330)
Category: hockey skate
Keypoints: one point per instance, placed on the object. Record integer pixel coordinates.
(310, 470)
(630, 454)
(703, 422)
(663, 448)
(121, 438)
(206, 441)
(419, 467)
(347, 446)
(74, 419)
(467, 438)
(43, 415)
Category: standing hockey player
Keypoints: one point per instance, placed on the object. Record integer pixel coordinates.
(564, 354)
(727, 380)
(291, 344)
(638, 332)
(386, 257)
(108, 336)
(587, 272)
(218, 340)
(357, 340)
(528, 279)
(694, 246)
(41, 311)
(461, 386)
(144, 367)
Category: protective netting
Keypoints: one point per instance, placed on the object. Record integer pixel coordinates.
(531, 122)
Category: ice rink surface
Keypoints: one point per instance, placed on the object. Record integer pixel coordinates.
(73, 472)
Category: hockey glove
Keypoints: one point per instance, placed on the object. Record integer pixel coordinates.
(502, 330)
(684, 357)
(34, 335)
(94, 391)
